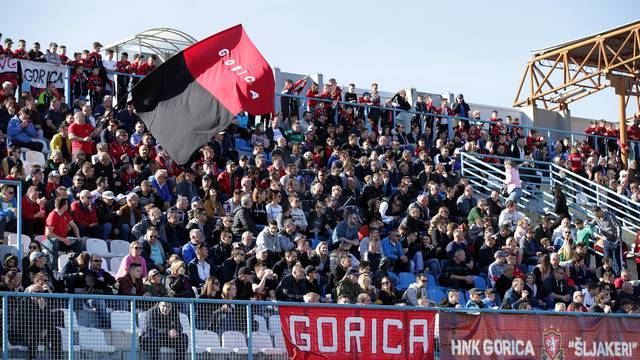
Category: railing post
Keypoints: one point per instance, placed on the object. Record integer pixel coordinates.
(192, 315)
(462, 163)
(19, 222)
(71, 340)
(67, 90)
(5, 328)
(134, 332)
(249, 332)
(449, 127)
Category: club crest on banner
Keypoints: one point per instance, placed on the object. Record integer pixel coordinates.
(552, 348)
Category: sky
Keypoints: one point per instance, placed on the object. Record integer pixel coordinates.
(478, 48)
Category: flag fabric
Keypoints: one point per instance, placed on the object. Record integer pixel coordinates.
(195, 94)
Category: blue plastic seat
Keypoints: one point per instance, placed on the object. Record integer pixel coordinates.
(436, 295)
(480, 283)
(405, 279)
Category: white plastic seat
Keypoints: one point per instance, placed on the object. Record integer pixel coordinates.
(64, 339)
(35, 157)
(278, 341)
(98, 246)
(93, 340)
(63, 259)
(184, 321)
(119, 247)
(26, 167)
(210, 342)
(261, 342)
(142, 320)
(12, 240)
(274, 324)
(76, 326)
(262, 323)
(121, 321)
(235, 341)
(39, 238)
(114, 263)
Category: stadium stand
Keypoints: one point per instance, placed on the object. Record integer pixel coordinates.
(339, 194)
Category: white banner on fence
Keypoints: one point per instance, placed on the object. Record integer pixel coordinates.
(8, 65)
(39, 74)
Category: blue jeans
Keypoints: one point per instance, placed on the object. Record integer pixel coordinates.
(432, 264)
(125, 230)
(52, 246)
(515, 195)
(613, 250)
(99, 231)
(100, 307)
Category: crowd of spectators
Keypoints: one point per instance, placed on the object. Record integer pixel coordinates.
(320, 210)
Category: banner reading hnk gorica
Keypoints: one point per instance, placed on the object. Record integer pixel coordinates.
(526, 336)
(357, 333)
(38, 74)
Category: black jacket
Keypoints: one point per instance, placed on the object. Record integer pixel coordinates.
(243, 221)
(157, 323)
(291, 289)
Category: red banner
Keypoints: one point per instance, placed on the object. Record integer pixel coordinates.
(357, 333)
(527, 336)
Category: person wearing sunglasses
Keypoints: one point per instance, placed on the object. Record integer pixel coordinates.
(134, 256)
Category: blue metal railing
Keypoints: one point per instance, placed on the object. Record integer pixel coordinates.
(72, 299)
(18, 197)
(572, 135)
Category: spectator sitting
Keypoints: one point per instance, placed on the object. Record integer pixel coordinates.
(349, 286)
(243, 219)
(152, 250)
(131, 284)
(200, 268)
(577, 304)
(475, 299)
(416, 290)
(293, 286)
(177, 282)
(452, 300)
(84, 214)
(496, 269)
(457, 274)
(163, 327)
(56, 229)
(21, 131)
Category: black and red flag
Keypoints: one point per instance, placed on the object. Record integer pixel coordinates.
(196, 93)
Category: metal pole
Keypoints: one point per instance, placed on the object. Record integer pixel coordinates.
(5, 327)
(192, 315)
(67, 90)
(19, 225)
(134, 332)
(624, 150)
(70, 340)
(249, 332)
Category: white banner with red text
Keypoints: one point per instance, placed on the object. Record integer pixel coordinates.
(357, 333)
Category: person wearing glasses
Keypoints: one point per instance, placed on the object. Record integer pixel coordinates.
(99, 282)
(134, 256)
(556, 289)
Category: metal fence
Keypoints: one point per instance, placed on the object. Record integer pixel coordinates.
(597, 141)
(47, 326)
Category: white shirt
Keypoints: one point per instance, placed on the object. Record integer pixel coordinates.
(203, 270)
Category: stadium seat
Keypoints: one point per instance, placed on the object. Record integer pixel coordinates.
(13, 241)
(184, 321)
(121, 321)
(436, 295)
(406, 279)
(7, 249)
(142, 320)
(119, 247)
(98, 246)
(243, 146)
(210, 342)
(35, 157)
(235, 341)
(26, 167)
(261, 343)
(66, 319)
(114, 263)
(278, 340)
(262, 323)
(63, 259)
(274, 324)
(480, 283)
(64, 339)
(39, 238)
(431, 281)
(93, 340)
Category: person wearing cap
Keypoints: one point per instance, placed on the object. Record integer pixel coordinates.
(293, 286)
(312, 278)
(496, 269)
(475, 299)
(153, 285)
(349, 285)
(33, 213)
(265, 283)
(105, 210)
(38, 264)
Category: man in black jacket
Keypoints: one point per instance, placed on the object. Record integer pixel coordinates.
(163, 329)
(293, 286)
(200, 268)
(243, 219)
(99, 282)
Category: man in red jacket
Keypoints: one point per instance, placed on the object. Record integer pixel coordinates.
(84, 214)
(32, 212)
